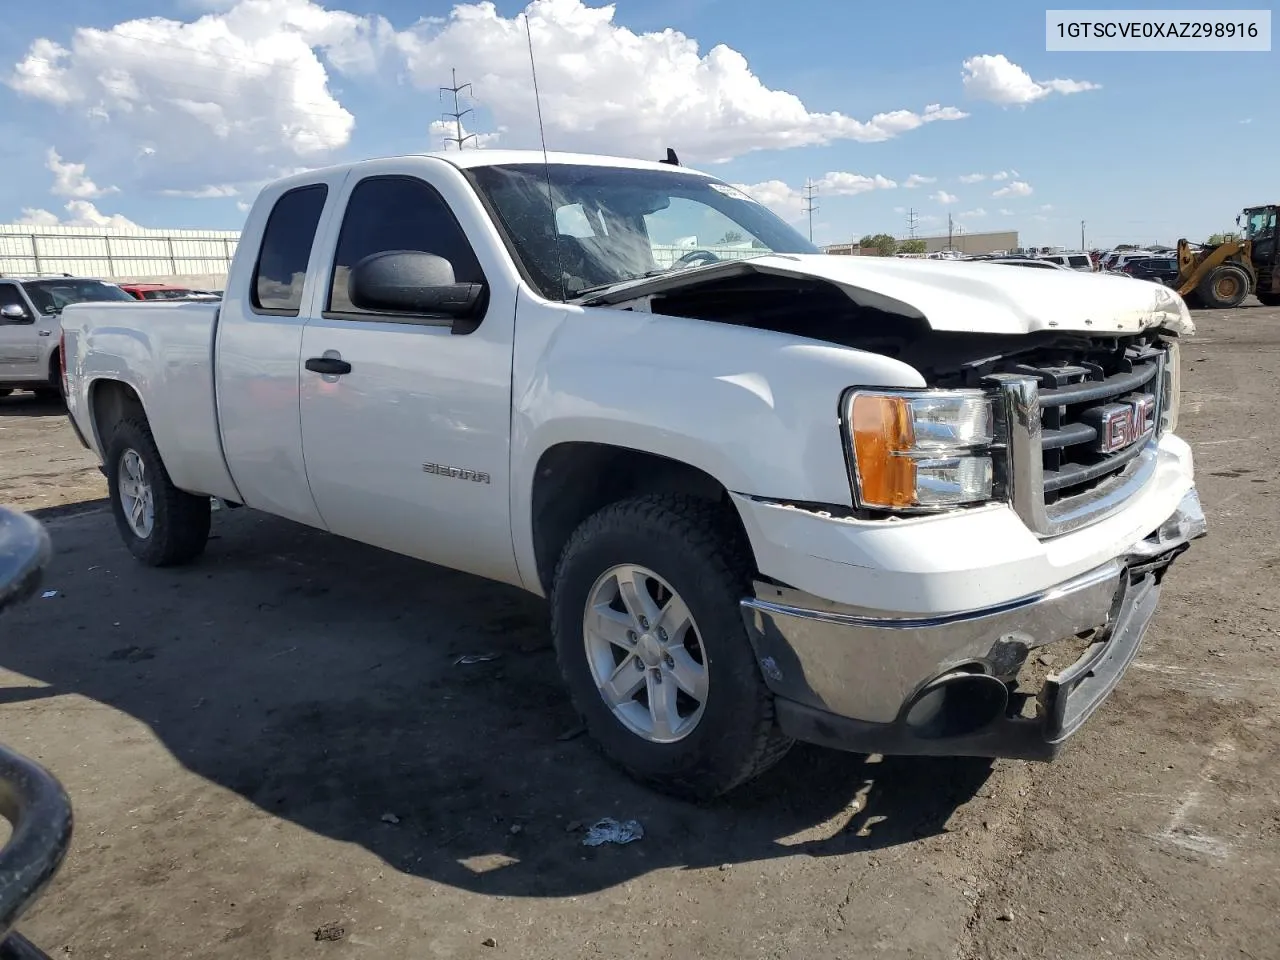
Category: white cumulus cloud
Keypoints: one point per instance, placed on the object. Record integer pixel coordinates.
(972, 177)
(244, 92)
(788, 201)
(1006, 212)
(69, 179)
(972, 214)
(80, 213)
(608, 89)
(1016, 188)
(996, 78)
(915, 180)
(230, 97)
(943, 197)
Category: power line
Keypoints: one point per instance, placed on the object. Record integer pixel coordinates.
(458, 113)
(810, 207)
(912, 220)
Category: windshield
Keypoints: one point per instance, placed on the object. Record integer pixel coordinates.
(50, 296)
(614, 224)
(1261, 223)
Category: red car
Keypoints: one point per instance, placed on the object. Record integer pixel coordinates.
(158, 291)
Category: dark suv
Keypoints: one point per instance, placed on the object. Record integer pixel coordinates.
(1159, 269)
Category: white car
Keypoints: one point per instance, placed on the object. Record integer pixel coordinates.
(30, 308)
(794, 496)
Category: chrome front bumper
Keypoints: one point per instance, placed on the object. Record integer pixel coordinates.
(863, 681)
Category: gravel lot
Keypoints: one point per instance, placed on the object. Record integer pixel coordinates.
(273, 754)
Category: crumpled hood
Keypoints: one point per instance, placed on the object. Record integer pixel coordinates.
(969, 296)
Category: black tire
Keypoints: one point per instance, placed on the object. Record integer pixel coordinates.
(1225, 287)
(1268, 299)
(180, 528)
(5, 391)
(55, 391)
(691, 545)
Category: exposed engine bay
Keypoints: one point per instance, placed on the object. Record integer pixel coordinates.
(816, 309)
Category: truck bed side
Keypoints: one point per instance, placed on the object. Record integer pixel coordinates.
(163, 353)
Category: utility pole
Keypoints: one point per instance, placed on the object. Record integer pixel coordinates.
(1083, 248)
(458, 113)
(912, 220)
(810, 207)
(950, 237)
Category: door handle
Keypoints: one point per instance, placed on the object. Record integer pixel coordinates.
(330, 366)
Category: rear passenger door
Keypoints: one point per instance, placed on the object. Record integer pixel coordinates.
(263, 314)
(408, 449)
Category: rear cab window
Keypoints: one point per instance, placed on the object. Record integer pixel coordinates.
(1080, 261)
(281, 271)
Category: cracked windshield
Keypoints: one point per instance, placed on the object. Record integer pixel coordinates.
(614, 224)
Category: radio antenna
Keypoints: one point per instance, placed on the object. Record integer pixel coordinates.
(546, 163)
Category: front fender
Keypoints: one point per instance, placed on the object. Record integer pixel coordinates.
(755, 409)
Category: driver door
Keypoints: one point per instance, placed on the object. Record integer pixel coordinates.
(20, 338)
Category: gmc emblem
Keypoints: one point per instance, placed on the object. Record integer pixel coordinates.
(1121, 425)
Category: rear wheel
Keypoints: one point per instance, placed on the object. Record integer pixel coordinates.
(160, 524)
(54, 392)
(1269, 299)
(1225, 287)
(653, 649)
(5, 391)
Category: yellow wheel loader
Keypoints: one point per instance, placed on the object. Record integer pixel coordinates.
(1222, 275)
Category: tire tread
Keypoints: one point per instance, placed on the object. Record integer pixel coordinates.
(182, 519)
(700, 527)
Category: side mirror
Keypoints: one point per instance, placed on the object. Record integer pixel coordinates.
(13, 313)
(409, 281)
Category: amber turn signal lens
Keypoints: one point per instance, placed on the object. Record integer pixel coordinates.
(882, 435)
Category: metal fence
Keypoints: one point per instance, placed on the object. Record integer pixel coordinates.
(136, 255)
(115, 254)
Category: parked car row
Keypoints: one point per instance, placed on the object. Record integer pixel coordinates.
(30, 308)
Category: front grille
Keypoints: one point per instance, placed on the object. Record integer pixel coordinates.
(1078, 431)
(1093, 422)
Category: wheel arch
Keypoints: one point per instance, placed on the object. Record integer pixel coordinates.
(596, 474)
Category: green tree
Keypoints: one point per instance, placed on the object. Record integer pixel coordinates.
(911, 246)
(884, 244)
(1218, 238)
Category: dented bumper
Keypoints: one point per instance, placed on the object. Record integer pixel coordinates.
(869, 682)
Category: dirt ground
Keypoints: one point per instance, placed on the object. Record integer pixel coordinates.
(274, 754)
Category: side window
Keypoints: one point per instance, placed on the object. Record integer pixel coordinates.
(10, 297)
(286, 247)
(397, 213)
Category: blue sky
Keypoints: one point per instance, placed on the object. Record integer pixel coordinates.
(175, 121)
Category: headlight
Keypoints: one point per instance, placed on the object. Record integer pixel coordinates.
(1171, 389)
(919, 451)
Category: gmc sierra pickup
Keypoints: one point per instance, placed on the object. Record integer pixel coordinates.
(770, 494)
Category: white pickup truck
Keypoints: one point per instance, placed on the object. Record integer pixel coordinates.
(770, 494)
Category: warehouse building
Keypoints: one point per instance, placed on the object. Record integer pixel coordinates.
(960, 241)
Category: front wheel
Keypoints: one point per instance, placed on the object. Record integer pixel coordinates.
(1225, 287)
(653, 649)
(160, 524)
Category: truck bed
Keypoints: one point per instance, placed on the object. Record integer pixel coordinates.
(164, 351)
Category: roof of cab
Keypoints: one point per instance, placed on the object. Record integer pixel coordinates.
(467, 159)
